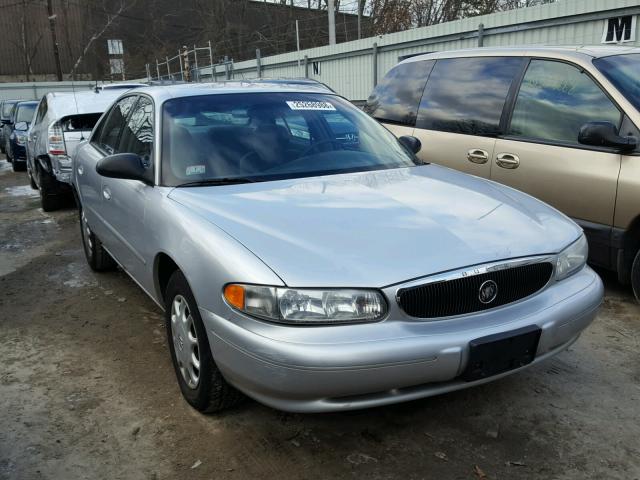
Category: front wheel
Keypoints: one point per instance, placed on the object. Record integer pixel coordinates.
(18, 166)
(200, 380)
(635, 276)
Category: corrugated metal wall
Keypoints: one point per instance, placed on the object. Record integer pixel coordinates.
(348, 67)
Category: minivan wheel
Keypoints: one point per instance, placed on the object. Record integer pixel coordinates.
(200, 380)
(97, 257)
(635, 276)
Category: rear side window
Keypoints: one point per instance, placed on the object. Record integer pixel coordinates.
(109, 132)
(137, 136)
(555, 100)
(467, 95)
(395, 99)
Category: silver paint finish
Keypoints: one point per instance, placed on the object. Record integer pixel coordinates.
(384, 229)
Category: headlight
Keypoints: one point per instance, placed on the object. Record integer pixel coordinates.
(21, 139)
(307, 306)
(572, 258)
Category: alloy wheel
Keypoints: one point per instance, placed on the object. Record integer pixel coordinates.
(185, 341)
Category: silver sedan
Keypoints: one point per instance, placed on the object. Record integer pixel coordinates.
(305, 257)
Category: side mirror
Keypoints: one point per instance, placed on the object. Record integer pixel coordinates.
(127, 166)
(23, 126)
(605, 134)
(412, 143)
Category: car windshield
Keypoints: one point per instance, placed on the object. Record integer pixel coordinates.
(624, 72)
(269, 136)
(6, 109)
(25, 113)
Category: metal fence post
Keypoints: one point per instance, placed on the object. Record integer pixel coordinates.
(186, 64)
(227, 73)
(168, 68)
(158, 69)
(306, 67)
(481, 35)
(181, 65)
(374, 61)
(258, 63)
(211, 62)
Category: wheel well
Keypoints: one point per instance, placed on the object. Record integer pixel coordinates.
(630, 246)
(165, 266)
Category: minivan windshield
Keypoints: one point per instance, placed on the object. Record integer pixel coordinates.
(232, 138)
(624, 72)
(25, 112)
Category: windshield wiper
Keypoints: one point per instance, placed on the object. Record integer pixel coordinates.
(217, 181)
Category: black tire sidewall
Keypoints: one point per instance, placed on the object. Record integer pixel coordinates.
(635, 276)
(89, 252)
(199, 397)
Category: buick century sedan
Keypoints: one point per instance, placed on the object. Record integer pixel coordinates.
(304, 256)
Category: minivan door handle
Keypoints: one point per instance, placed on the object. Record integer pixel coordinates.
(476, 155)
(106, 193)
(508, 160)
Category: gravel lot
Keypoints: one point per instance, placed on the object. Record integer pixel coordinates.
(87, 391)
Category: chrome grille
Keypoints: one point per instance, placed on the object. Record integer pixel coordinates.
(462, 295)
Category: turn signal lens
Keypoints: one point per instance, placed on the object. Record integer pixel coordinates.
(234, 294)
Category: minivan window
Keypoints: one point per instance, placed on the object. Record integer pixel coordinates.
(395, 99)
(467, 95)
(624, 72)
(555, 100)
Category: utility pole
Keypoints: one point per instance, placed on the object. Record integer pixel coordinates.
(359, 19)
(332, 22)
(298, 43)
(54, 39)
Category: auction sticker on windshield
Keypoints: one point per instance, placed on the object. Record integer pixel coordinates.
(306, 105)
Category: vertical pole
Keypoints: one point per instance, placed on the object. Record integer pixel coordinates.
(211, 62)
(258, 63)
(332, 22)
(54, 39)
(168, 68)
(181, 65)
(306, 67)
(375, 64)
(481, 35)
(359, 21)
(148, 72)
(158, 69)
(298, 44)
(186, 64)
(226, 68)
(195, 59)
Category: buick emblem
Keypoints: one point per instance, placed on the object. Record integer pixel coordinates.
(488, 292)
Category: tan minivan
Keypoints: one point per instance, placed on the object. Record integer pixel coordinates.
(559, 123)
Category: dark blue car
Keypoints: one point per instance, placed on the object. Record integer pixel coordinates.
(15, 134)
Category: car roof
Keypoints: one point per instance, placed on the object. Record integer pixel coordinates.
(62, 104)
(161, 93)
(561, 51)
(27, 102)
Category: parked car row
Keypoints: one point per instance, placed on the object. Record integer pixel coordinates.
(309, 258)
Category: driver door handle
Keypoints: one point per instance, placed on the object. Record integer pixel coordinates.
(508, 160)
(106, 193)
(476, 155)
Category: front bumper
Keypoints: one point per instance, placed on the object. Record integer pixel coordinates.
(331, 368)
(18, 153)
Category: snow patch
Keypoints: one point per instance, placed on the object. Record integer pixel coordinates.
(21, 191)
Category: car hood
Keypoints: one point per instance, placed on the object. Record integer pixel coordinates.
(374, 229)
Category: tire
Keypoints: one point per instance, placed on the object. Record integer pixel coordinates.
(18, 167)
(635, 276)
(32, 182)
(97, 257)
(49, 199)
(204, 388)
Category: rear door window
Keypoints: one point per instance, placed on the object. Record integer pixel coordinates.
(555, 100)
(396, 98)
(108, 135)
(467, 95)
(137, 135)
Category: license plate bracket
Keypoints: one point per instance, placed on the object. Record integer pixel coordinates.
(501, 352)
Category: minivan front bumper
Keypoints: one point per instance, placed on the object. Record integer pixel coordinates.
(332, 368)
